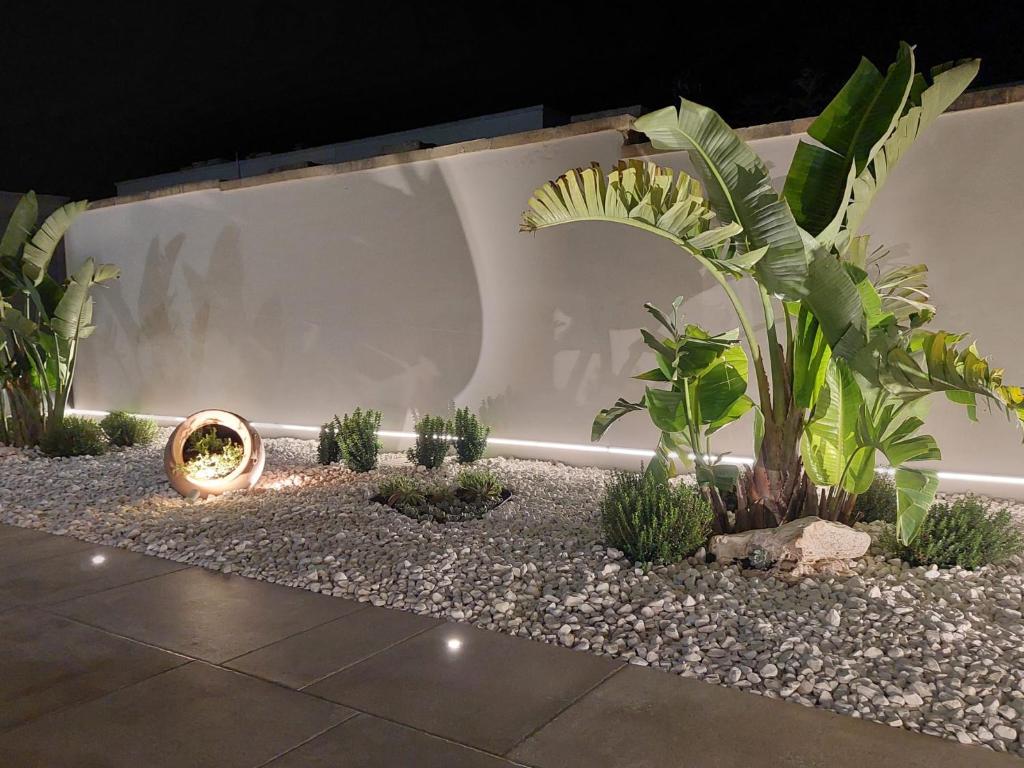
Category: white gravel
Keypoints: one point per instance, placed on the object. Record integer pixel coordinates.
(936, 651)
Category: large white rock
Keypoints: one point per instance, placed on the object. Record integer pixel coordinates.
(804, 546)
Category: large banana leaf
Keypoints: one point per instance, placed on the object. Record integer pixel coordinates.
(643, 195)
(39, 250)
(832, 454)
(915, 492)
(20, 225)
(934, 362)
(668, 409)
(739, 189)
(811, 355)
(72, 320)
(949, 81)
(719, 390)
(904, 294)
(851, 129)
(837, 304)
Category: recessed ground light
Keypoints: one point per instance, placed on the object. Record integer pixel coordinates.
(98, 559)
(454, 644)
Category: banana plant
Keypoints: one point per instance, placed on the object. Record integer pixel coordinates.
(847, 365)
(42, 322)
(707, 378)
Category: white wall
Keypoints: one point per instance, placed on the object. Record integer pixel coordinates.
(406, 287)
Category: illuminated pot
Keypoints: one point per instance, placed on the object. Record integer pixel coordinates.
(227, 424)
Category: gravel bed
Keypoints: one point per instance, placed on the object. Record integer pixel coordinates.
(930, 650)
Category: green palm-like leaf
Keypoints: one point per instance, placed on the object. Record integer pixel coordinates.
(72, 320)
(739, 189)
(949, 82)
(20, 225)
(608, 416)
(39, 250)
(851, 129)
(643, 195)
(915, 492)
(934, 362)
(832, 454)
(837, 304)
(720, 388)
(810, 359)
(904, 293)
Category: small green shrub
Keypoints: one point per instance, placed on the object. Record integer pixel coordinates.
(652, 521)
(74, 437)
(212, 457)
(963, 533)
(329, 451)
(401, 492)
(357, 439)
(431, 442)
(877, 503)
(124, 429)
(478, 486)
(470, 436)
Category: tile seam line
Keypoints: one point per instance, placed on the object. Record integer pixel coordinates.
(360, 609)
(375, 653)
(367, 713)
(49, 609)
(107, 589)
(83, 702)
(357, 713)
(306, 741)
(621, 666)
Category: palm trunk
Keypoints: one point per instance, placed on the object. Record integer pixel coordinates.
(775, 488)
(24, 423)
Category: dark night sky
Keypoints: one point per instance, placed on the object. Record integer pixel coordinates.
(90, 96)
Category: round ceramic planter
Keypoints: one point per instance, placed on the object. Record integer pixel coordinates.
(244, 476)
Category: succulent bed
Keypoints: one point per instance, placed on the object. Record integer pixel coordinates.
(472, 495)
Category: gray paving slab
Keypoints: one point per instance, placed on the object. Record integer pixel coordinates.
(48, 662)
(197, 716)
(310, 656)
(642, 718)
(206, 615)
(480, 688)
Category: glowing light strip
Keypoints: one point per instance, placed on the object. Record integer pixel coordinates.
(970, 477)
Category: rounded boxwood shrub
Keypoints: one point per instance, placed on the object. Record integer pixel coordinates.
(431, 442)
(124, 429)
(653, 521)
(963, 533)
(74, 437)
(877, 503)
(470, 436)
(328, 450)
(357, 439)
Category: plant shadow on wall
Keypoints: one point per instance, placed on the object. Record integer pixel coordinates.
(406, 330)
(156, 340)
(849, 363)
(366, 285)
(585, 342)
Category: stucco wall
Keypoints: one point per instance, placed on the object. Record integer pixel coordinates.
(406, 287)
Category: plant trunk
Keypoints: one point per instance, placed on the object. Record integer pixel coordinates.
(775, 489)
(24, 418)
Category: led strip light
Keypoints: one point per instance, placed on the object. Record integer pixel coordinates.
(970, 477)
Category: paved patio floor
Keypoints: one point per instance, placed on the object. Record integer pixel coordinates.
(111, 658)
